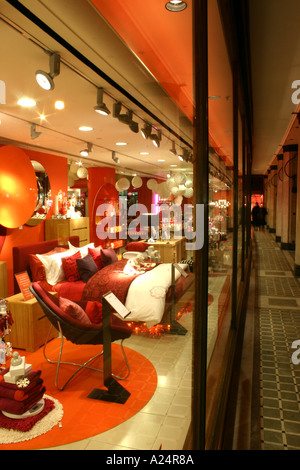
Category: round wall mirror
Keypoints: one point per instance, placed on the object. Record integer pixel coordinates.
(44, 201)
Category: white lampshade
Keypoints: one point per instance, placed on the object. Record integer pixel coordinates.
(171, 183)
(122, 184)
(82, 172)
(180, 178)
(137, 182)
(152, 184)
(175, 191)
(73, 168)
(188, 184)
(188, 193)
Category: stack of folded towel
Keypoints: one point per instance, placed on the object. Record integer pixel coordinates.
(17, 398)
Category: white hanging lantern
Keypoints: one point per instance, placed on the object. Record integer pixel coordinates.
(181, 189)
(188, 184)
(163, 190)
(188, 193)
(175, 191)
(123, 184)
(180, 178)
(137, 182)
(82, 172)
(171, 183)
(73, 168)
(152, 184)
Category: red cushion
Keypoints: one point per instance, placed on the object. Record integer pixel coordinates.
(94, 312)
(70, 267)
(96, 255)
(137, 246)
(36, 266)
(75, 311)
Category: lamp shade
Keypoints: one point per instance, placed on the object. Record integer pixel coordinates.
(122, 184)
(137, 182)
(82, 172)
(152, 184)
(18, 187)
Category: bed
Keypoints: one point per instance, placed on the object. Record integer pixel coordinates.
(148, 296)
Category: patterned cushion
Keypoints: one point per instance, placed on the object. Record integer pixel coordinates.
(70, 267)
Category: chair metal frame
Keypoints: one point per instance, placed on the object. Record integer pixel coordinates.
(85, 365)
(114, 391)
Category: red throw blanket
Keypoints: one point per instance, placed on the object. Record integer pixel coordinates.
(111, 278)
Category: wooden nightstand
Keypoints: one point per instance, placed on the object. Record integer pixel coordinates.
(31, 326)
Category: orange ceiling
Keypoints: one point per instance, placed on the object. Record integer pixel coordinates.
(162, 40)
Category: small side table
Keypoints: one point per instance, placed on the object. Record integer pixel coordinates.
(31, 326)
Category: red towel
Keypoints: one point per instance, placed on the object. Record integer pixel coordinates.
(21, 393)
(20, 407)
(33, 374)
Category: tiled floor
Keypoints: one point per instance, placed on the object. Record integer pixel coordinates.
(165, 420)
(278, 313)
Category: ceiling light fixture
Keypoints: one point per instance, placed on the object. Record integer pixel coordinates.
(146, 130)
(156, 138)
(85, 128)
(33, 133)
(85, 152)
(101, 107)
(44, 79)
(125, 118)
(176, 5)
(173, 149)
(59, 104)
(114, 157)
(26, 102)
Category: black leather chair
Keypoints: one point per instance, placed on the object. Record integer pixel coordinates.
(114, 330)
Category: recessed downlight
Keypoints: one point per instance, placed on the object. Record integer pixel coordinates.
(26, 102)
(121, 143)
(59, 104)
(176, 5)
(85, 128)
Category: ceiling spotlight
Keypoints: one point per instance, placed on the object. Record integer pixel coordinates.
(45, 80)
(176, 5)
(33, 133)
(117, 109)
(173, 149)
(85, 152)
(126, 118)
(134, 127)
(101, 107)
(156, 138)
(146, 131)
(115, 159)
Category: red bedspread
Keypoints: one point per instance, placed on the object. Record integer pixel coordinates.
(109, 279)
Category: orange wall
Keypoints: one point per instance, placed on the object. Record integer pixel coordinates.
(57, 170)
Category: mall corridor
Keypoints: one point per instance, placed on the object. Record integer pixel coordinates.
(269, 380)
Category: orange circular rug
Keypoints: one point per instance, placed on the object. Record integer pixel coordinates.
(84, 417)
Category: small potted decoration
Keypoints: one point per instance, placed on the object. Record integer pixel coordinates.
(6, 321)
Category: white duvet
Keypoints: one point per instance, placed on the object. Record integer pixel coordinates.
(147, 293)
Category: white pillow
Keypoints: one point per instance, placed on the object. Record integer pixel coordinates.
(53, 266)
(84, 250)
